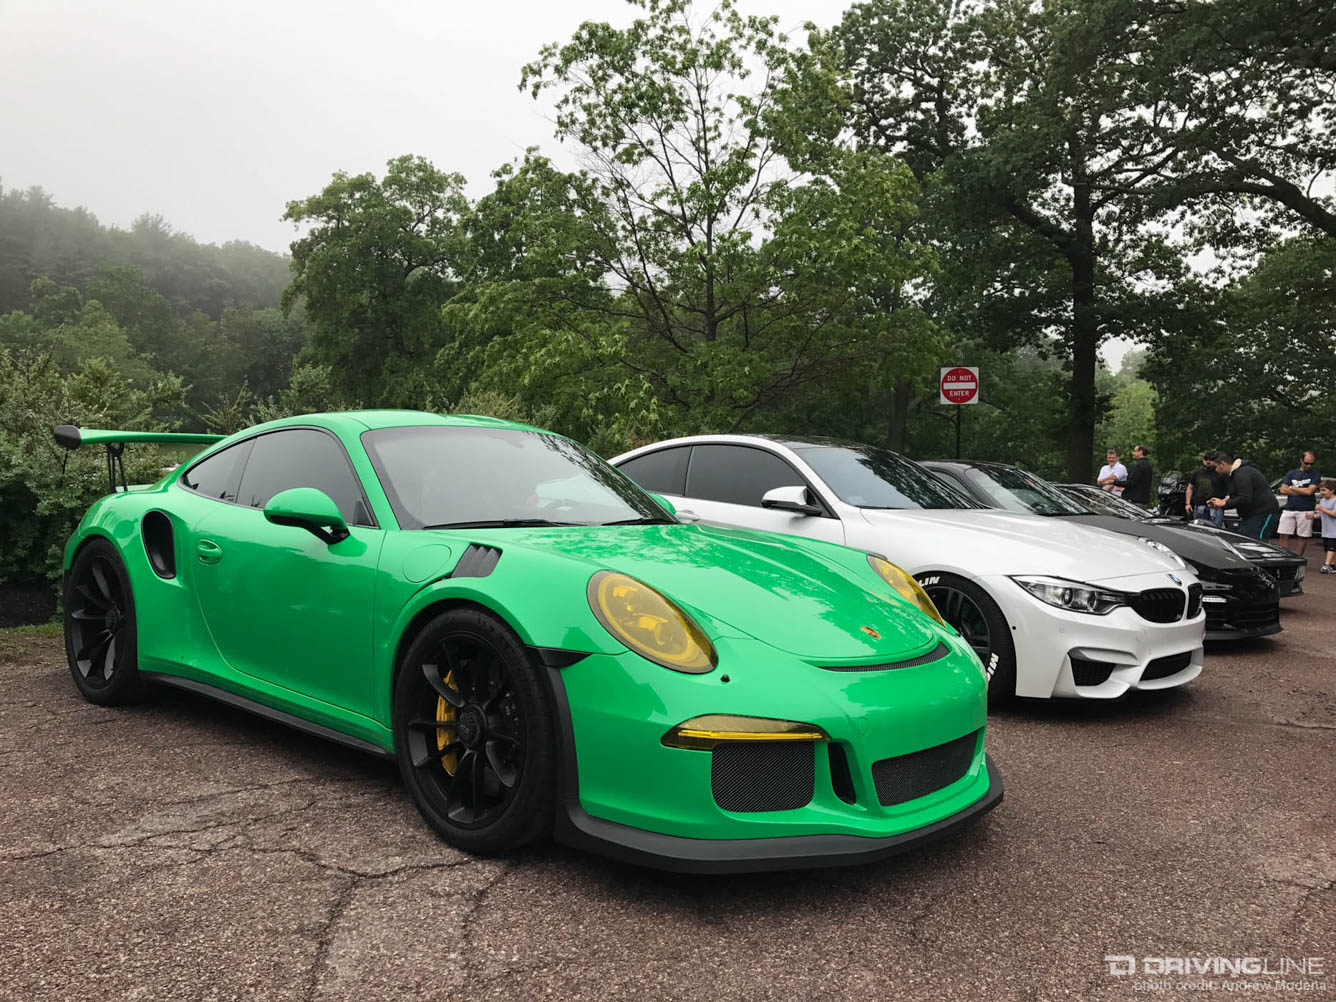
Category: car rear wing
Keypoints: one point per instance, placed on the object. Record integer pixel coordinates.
(71, 437)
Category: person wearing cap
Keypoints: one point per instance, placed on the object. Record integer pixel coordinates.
(1206, 483)
(1250, 495)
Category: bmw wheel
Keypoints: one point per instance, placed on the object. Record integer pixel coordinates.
(101, 641)
(474, 734)
(976, 617)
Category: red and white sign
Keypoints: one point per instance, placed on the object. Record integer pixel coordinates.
(960, 385)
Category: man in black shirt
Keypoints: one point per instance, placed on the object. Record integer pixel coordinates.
(1206, 483)
(1250, 495)
(1139, 478)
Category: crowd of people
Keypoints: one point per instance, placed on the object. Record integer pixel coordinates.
(1224, 482)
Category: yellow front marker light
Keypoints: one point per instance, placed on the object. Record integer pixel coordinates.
(704, 732)
(904, 583)
(650, 624)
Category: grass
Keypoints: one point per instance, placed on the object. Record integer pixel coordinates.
(52, 629)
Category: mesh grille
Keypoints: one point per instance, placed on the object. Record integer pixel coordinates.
(936, 654)
(1159, 605)
(763, 776)
(1091, 672)
(1164, 667)
(919, 773)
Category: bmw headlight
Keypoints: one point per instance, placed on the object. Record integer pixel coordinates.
(1155, 544)
(650, 624)
(903, 582)
(1074, 596)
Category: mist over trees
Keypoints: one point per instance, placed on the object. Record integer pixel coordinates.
(762, 233)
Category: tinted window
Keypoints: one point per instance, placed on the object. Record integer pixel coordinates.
(664, 471)
(442, 475)
(214, 476)
(302, 458)
(736, 474)
(1016, 490)
(874, 478)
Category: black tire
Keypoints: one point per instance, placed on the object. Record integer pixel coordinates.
(101, 634)
(976, 617)
(474, 734)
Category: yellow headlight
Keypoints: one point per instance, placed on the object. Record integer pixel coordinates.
(902, 582)
(713, 729)
(649, 624)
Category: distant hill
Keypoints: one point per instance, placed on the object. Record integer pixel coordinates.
(40, 239)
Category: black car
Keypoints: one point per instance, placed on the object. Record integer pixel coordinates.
(1240, 599)
(1287, 568)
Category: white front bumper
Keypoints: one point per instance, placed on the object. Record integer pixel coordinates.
(1046, 639)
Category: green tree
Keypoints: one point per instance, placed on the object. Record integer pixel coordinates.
(372, 271)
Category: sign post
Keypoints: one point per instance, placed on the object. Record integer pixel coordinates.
(959, 386)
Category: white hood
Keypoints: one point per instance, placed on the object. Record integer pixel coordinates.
(985, 542)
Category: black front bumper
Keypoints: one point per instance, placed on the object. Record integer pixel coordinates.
(578, 828)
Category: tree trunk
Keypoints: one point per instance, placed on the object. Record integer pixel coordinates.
(898, 416)
(1085, 332)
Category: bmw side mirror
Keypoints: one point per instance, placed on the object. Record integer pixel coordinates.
(309, 509)
(790, 499)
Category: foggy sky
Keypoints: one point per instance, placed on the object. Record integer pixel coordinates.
(214, 115)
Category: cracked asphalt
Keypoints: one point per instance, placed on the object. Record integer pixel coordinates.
(181, 850)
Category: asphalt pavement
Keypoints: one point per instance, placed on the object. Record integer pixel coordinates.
(181, 850)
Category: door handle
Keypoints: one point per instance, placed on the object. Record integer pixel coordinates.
(209, 551)
(687, 515)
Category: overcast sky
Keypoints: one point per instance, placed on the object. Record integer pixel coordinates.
(216, 114)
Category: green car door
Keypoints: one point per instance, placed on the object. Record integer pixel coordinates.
(282, 605)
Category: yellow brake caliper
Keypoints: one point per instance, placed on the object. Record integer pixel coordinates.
(445, 713)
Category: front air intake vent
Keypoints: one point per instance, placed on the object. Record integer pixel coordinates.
(936, 654)
(1088, 672)
(907, 777)
(477, 562)
(763, 776)
(1164, 667)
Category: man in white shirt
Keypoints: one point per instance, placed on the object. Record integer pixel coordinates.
(1113, 475)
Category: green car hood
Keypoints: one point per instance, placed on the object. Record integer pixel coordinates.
(809, 598)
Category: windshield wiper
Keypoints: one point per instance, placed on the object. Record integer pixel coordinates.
(648, 520)
(500, 523)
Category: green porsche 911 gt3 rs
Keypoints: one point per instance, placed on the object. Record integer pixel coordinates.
(543, 646)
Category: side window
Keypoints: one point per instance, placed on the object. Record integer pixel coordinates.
(215, 477)
(737, 474)
(664, 472)
(301, 457)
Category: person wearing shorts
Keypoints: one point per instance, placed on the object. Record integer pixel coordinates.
(1326, 511)
(1296, 519)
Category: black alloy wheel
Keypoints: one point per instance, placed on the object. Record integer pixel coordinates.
(977, 618)
(474, 734)
(100, 634)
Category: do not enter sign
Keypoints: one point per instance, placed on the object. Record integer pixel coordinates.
(960, 385)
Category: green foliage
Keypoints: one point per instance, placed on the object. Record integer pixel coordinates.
(43, 489)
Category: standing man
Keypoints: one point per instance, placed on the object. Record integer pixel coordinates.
(1206, 485)
(1250, 495)
(1113, 474)
(1139, 479)
(1299, 488)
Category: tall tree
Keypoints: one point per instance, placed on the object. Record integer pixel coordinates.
(1008, 111)
(379, 259)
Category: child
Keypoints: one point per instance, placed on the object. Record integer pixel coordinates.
(1326, 510)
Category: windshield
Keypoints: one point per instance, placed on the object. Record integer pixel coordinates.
(868, 477)
(441, 476)
(1016, 490)
(1103, 503)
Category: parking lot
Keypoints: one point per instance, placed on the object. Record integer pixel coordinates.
(182, 850)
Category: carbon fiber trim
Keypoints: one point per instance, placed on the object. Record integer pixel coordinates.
(936, 654)
(763, 775)
(907, 777)
(477, 562)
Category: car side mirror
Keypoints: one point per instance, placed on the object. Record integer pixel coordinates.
(309, 509)
(792, 499)
(663, 502)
